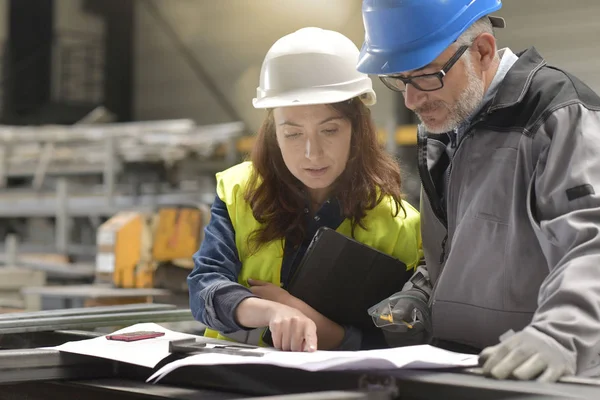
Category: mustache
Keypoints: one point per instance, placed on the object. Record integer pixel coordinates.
(429, 107)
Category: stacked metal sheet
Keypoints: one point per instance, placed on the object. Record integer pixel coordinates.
(83, 148)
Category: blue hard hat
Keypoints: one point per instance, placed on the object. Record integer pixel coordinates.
(403, 35)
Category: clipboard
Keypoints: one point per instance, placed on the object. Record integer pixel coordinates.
(341, 277)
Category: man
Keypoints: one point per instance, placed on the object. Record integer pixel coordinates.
(509, 158)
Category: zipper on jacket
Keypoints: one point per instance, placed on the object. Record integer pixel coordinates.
(443, 254)
(425, 176)
(446, 186)
(452, 136)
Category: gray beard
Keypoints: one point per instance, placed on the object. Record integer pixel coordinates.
(468, 101)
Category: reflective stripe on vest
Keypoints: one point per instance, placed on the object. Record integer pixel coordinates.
(252, 337)
(398, 236)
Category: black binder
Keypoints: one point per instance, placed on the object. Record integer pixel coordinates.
(341, 278)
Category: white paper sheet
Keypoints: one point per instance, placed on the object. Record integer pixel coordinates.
(147, 352)
(415, 357)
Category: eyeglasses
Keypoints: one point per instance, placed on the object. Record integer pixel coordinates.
(425, 82)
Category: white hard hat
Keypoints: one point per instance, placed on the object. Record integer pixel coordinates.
(312, 66)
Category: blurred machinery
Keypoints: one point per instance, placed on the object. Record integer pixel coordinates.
(150, 249)
(58, 184)
(111, 212)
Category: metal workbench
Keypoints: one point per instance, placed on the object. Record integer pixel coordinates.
(47, 374)
(38, 374)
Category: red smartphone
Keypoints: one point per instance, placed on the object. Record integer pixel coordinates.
(133, 336)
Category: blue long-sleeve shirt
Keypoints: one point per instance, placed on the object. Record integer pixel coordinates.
(214, 290)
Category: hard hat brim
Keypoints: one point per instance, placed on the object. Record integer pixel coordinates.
(307, 97)
(388, 63)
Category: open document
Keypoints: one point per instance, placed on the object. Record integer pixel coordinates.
(414, 357)
(149, 352)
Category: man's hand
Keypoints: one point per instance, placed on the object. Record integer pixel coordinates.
(291, 330)
(406, 313)
(269, 291)
(526, 355)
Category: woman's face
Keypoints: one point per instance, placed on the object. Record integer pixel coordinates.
(315, 145)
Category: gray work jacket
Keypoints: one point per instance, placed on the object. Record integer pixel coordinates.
(515, 242)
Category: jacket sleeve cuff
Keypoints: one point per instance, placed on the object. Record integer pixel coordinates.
(567, 357)
(225, 301)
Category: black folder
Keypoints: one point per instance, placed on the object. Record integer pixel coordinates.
(341, 278)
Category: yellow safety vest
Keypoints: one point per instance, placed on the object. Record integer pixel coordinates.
(398, 236)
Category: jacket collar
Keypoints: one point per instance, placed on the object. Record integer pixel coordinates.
(517, 81)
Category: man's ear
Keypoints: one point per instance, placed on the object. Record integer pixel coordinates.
(485, 50)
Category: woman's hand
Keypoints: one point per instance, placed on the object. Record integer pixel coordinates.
(330, 333)
(269, 291)
(291, 330)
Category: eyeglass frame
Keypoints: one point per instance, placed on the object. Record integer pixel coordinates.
(440, 74)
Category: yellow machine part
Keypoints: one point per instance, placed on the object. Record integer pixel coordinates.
(131, 269)
(120, 249)
(132, 245)
(177, 234)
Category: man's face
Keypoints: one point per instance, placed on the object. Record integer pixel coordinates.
(445, 109)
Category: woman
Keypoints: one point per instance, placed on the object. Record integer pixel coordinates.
(316, 162)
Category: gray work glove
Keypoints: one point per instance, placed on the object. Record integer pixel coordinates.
(526, 355)
(406, 313)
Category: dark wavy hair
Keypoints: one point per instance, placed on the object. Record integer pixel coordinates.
(277, 197)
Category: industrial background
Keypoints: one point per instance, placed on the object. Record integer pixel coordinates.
(116, 114)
